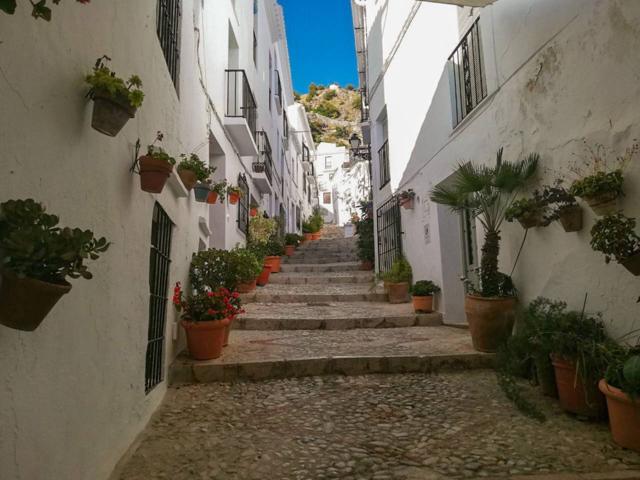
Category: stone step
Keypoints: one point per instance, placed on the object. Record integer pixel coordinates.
(322, 278)
(333, 316)
(259, 355)
(320, 268)
(282, 293)
(320, 259)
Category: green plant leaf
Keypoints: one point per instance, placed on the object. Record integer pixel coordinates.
(40, 10)
(8, 6)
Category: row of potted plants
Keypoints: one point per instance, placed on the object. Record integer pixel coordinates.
(398, 286)
(572, 358)
(311, 228)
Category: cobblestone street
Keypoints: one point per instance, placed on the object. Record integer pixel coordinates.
(456, 425)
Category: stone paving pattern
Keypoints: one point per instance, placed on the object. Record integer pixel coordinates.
(374, 427)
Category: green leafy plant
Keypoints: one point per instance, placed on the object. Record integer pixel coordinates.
(307, 227)
(364, 230)
(615, 236)
(525, 208)
(316, 221)
(557, 199)
(32, 244)
(39, 8)
(327, 109)
(197, 166)
(424, 288)
(207, 306)
(486, 192)
(274, 247)
(211, 269)
(246, 264)
(329, 95)
(254, 204)
(103, 81)
(261, 229)
(400, 272)
(220, 188)
(292, 239)
(356, 102)
(600, 183)
(623, 372)
(232, 189)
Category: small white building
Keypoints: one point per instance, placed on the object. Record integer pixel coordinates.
(445, 84)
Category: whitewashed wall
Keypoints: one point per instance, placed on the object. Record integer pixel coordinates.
(72, 393)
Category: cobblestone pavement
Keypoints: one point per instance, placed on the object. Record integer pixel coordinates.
(376, 427)
(336, 310)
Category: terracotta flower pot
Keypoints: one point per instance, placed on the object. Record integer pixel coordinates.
(154, 174)
(201, 192)
(603, 204)
(263, 278)
(212, 198)
(398, 292)
(25, 302)
(234, 198)
(632, 264)
(246, 287)
(253, 212)
(423, 304)
(316, 236)
(289, 250)
(205, 339)
(571, 218)
(624, 416)
(308, 237)
(407, 203)
(274, 262)
(366, 265)
(574, 396)
(110, 114)
(188, 178)
(490, 321)
(546, 375)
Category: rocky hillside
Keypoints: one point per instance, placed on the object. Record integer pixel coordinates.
(334, 112)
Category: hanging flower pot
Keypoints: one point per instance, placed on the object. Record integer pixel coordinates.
(263, 278)
(603, 204)
(530, 220)
(632, 264)
(407, 204)
(234, 197)
(193, 170)
(253, 212)
(154, 173)
(246, 287)
(188, 177)
(110, 114)
(25, 302)
(201, 192)
(406, 199)
(212, 198)
(205, 339)
(571, 218)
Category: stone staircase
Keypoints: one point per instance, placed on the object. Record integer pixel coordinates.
(323, 315)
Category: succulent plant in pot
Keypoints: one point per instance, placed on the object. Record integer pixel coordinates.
(422, 293)
(529, 212)
(36, 258)
(397, 280)
(615, 236)
(485, 193)
(155, 167)
(192, 171)
(115, 100)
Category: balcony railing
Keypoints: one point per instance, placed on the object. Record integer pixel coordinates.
(383, 158)
(469, 81)
(264, 164)
(278, 93)
(240, 100)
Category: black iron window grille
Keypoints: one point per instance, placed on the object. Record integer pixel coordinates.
(240, 100)
(282, 221)
(306, 155)
(278, 93)
(469, 81)
(298, 218)
(168, 27)
(389, 223)
(255, 49)
(160, 262)
(243, 204)
(264, 164)
(383, 158)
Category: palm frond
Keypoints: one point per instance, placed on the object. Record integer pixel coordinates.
(452, 198)
(470, 178)
(514, 175)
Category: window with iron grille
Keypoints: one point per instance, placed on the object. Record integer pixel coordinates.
(278, 93)
(285, 126)
(160, 262)
(168, 27)
(298, 218)
(255, 49)
(389, 233)
(383, 158)
(243, 205)
(468, 76)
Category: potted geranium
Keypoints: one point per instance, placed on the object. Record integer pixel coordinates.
(217, 190)
(291, 242)
(36, 258)
(398, 280)
(253, 208)
(193, 170)
(155, 167)
(115, 101)
(562, 207)
(485, 193)
(621, 387)
(205, 316)
(615, 236)
(603, 186)
(234, 193)
(529, 212)
(247, 267)
(406, 199)
(422, 294)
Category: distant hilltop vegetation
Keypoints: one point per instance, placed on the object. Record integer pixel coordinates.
(333, 111)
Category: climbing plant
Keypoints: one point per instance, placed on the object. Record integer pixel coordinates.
(39, 8)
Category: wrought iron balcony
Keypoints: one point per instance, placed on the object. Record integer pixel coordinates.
(241, 112)
(263, 166)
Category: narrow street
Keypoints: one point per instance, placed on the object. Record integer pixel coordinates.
(320, 316)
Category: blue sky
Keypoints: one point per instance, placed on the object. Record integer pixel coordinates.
(320, 37)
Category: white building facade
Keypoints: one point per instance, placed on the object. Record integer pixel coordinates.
(75, 393)
(546, 77)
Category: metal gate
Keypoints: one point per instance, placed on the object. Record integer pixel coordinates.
(389, 233)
